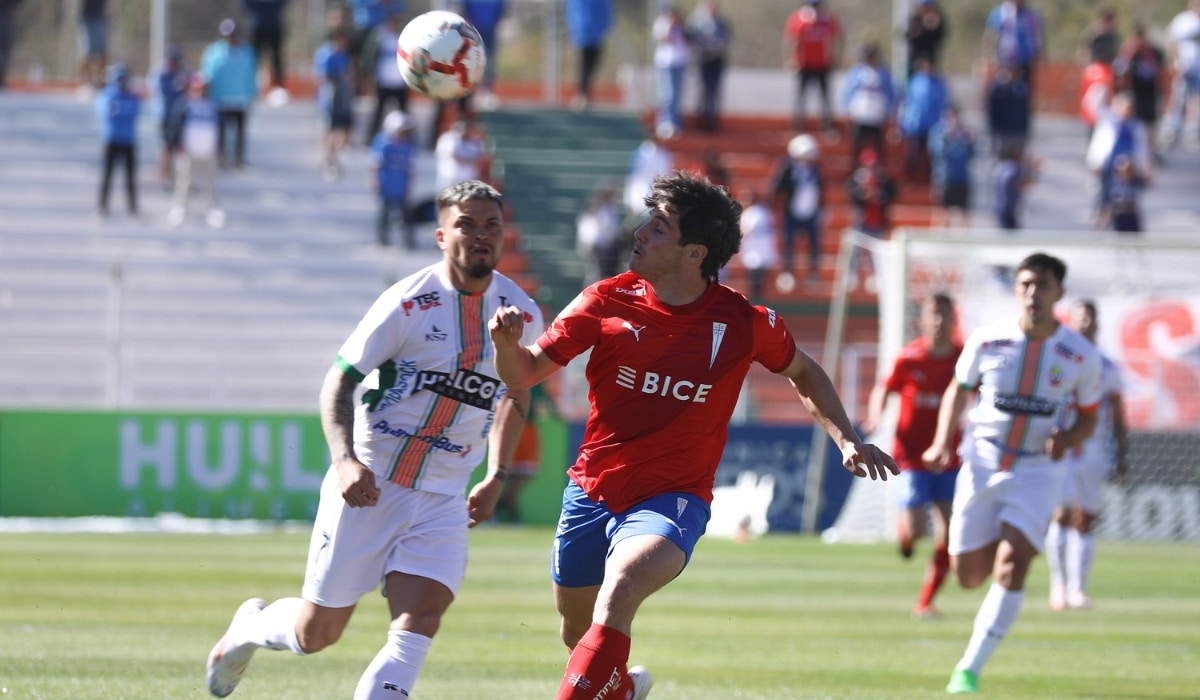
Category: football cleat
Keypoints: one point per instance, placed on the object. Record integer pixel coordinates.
(226, 664)
(642, 682)
(962, 681)
(1078, 600)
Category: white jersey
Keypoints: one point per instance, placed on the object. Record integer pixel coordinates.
(1025, 388)
(1099, 450)
(424, 351)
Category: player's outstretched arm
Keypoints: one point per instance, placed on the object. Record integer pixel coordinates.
(519, 366)
(819, 396)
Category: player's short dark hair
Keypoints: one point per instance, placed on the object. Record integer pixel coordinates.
(466, 191)
(708, 215)
(1044, 262)
(942, 299)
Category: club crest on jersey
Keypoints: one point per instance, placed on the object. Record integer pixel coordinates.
(1056, 375)
(718, 336)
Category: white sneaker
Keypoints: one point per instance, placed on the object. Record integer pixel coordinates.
(277, 97)
(175, 217)
(1078, 600)
(642, 682)
(1058, 596)
(215, 218)
(227, 664)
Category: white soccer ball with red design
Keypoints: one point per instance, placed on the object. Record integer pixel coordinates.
(441, 55)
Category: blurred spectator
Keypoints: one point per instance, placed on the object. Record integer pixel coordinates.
(461, 153)
(1123, 211)
(118, 107)
(1140, 68)
(267, 27)
(1100, 39)
(93, 40)
(599, 235)
(798, 187)
(588, 22)
(812, 46)
(1098, 72)
(390, 87)
(951, 150)
(172, 87)
(335, 96)
(485, 16)
(229, 68)
(925, 101)
(1011, 176)
(868, 99)
(1007, 110)
(711, 35)
(365, 17)
(925, 34)
(872, 192)
(199, 125)
(760, 249)
(649, 159)
(393, 162)
(587, 27)
(1183, 36)
(8, 35)
(712, 166)
(671, 55)
(1013, 38)
(1118, 135)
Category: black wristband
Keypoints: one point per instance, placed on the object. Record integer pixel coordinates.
(501, 474)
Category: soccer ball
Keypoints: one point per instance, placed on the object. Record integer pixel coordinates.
(440, 55)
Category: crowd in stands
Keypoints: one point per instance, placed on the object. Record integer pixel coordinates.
(1134, 96)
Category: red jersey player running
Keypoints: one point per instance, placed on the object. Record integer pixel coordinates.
(670, 348)
(920, 376)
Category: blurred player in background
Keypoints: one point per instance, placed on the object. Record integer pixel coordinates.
(1069, 542)
(670, 349)
(920, 377)
(392, 507)
(1026, 375)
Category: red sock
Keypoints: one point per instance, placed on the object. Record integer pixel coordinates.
(935, 575)
(597, 666)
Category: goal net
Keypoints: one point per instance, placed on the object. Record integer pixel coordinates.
(1147, 294)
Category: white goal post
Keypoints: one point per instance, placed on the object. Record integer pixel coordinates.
(1147, 291)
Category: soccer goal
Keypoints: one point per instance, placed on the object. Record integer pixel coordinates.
(1147, 292)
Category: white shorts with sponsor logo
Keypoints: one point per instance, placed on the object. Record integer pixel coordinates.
(409, 531)
(984, 498)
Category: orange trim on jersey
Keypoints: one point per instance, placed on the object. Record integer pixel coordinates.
(1031, 362)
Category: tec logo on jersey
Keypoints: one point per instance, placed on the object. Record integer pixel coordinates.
(421, 302)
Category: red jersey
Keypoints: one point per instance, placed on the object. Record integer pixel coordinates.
(1093, 74)
(815, 36)
(662, 383)
(920, 379)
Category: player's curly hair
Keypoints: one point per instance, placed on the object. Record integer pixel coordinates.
(708, 216)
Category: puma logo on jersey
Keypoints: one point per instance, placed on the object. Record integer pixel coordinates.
(637, 330)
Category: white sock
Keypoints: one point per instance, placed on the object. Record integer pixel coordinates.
(1056, 543)
(274, 627)
(993, 621)
(393, 672)
(1080, 549)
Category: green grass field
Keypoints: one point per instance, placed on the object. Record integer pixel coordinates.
(133, 617)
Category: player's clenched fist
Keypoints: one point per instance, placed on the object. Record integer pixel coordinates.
(507, 325)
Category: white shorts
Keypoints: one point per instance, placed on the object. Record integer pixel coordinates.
(1083, 486)
(408, 531)
(985, 497)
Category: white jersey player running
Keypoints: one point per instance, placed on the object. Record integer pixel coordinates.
(1069, 542)
(393, 509)
(1026, 374)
